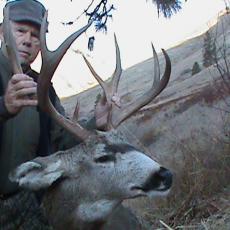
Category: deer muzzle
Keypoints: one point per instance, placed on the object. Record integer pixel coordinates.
(157, 184)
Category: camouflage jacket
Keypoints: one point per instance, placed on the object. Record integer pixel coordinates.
(29, 134)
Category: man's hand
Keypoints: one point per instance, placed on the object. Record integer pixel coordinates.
(20, 92)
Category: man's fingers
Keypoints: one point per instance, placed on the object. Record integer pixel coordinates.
(20, 92)
(24, 84)
(16, 105)
(20, 77)
(24, 102)
(25, 92)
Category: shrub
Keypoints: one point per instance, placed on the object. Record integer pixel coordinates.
(196, 68)
(209, 50)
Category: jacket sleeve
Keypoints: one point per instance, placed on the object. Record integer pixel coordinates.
(4, 114)
(60, 138)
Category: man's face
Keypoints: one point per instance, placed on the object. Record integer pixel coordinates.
(27, 41)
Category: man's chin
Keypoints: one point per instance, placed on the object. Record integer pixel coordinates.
(25, 66)
(23, 60)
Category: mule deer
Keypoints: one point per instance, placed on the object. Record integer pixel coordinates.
(85, 184)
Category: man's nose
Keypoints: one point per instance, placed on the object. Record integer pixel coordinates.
(27, 39)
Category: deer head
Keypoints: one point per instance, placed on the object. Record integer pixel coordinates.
(87, 182)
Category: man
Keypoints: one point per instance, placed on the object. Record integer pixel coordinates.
(25, 132)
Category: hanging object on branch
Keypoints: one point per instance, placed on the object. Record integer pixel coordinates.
(91, 43)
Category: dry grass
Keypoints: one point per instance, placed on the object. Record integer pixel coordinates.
(201, 176)
(200, 192)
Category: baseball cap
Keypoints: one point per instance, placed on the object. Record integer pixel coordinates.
(26, 10)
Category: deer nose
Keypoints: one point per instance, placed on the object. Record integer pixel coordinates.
(166, 177)
(159, 181)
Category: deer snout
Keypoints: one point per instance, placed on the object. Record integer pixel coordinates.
(160, 181)
(165, 177)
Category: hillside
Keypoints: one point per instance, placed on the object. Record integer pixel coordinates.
(186, 127)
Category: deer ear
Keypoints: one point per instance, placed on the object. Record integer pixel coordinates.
(34, 176)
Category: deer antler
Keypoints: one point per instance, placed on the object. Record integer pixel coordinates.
(50, 61)
(110, 88)
(10, 43)
(157, 87)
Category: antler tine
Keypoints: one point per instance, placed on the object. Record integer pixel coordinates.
(110, 87)
(156, 76)
(157, 87)
(164, 81)
(10, 43)
(76, 112)
(53, 58)
(97, 77)
(117, 73)
(50, 61)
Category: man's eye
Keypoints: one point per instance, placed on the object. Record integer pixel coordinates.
(105, 158)
(35, 35)
(21, 31)
(36, 40)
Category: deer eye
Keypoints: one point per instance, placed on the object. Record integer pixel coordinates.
(105, 158)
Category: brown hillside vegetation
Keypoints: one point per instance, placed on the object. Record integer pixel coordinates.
(187, 128)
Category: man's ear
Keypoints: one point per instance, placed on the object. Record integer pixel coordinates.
(1, 32)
